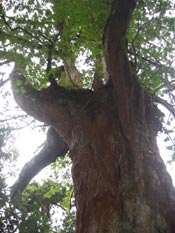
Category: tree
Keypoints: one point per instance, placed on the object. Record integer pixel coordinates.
(120, 181)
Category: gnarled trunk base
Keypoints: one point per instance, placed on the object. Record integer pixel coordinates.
(121, 184)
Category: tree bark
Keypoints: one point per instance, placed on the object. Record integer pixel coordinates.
(53, 148)
(121, 183)
(55, 105)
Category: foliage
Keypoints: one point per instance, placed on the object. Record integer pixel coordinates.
(39, 207)
(36, 33)
(42, 34)
(150, 35)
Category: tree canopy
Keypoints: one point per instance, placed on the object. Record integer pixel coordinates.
(42, 35)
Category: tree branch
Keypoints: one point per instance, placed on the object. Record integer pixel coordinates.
(168, 106)
(3, 82)
(54, 105)
(114, 42)
(5, 62)
(73, 73)
(114, 38)
(54, 147)
(27, 32)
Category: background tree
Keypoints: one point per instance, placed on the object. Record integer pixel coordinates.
(106, 117)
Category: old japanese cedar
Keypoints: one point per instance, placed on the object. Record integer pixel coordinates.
(120, 181)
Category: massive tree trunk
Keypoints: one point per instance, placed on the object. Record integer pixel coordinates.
(121, 184)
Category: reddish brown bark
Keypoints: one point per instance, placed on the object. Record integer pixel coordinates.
(121, 184)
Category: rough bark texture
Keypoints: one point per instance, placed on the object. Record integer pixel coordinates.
(121, 184)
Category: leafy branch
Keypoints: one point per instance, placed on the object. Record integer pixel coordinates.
(24, 30)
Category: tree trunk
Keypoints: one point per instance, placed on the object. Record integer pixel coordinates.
(121, 183)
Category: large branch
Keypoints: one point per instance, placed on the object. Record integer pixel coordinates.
(54, 147)
(54, 105)
(115, 35)
(114, 41)
(73, 74)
